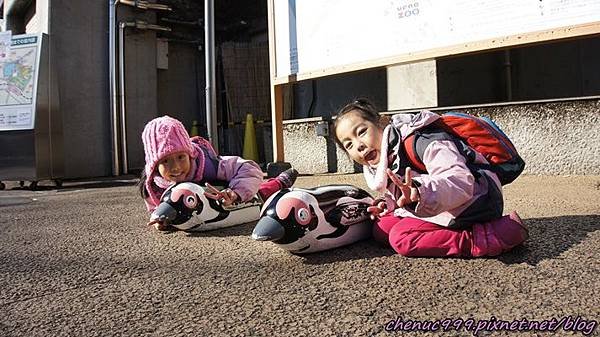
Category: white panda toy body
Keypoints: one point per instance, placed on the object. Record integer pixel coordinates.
(185, 207)
(311, 220)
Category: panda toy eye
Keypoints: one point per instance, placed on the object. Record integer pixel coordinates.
(190, 201)
(303, 216)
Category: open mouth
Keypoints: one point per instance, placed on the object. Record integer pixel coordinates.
(370, 156)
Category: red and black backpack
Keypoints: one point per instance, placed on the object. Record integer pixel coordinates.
(468, 133)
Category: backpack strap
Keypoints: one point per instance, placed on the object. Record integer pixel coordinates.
(415, 144)
(410, 149)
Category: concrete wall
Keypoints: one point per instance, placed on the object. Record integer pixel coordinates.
(181, 91)
(310, 153)
(79, 56)
(140, 82)
(553, 138)
(306, 151)
(323, 97)
(79, 51)
(79, 31)
(412, 85)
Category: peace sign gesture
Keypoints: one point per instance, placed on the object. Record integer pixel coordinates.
(410, 193)
(226, 196)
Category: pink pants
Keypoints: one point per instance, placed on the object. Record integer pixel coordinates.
(415, 237)
(268, 188)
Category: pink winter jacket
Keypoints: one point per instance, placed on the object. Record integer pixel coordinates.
(447, 189)
(243, 176)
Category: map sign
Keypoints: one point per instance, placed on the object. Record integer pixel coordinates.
(16, 77)
(18, 82)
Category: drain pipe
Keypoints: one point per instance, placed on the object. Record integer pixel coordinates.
(142, 25)
(124, 156)
(508, 74)
(210, 92)
(114, 120)
(114, 114)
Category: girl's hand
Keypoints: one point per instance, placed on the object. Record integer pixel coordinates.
(227, 196)
(410, 193)
(378, 209)
(160, 225)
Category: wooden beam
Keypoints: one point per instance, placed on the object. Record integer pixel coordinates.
(276, 90)
(277, 122)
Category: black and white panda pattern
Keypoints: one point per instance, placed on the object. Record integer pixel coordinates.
(311, 220)
(185, 207)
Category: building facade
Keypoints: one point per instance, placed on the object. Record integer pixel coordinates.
(545, 96)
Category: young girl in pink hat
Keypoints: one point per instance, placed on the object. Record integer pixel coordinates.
(448, 211)
(173, 157)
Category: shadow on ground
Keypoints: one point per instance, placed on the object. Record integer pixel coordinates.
(367, 249)
(550, 237)
(71, 186)
(360, 250)
(241, 230)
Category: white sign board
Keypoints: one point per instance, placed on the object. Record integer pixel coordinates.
(18, 83)
(312, 35)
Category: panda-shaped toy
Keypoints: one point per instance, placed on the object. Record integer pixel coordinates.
(311, 220)
(185, 207)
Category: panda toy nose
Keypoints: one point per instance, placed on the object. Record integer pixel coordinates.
(165, 211)
(268, 229)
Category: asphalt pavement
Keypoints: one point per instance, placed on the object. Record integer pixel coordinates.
(79, 261)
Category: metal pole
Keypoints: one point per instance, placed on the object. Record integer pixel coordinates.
(139, 24)
(114, 119)
(124, 157)
(211, 95)
(508, 74)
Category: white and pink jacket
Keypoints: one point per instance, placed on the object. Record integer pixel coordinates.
(447, 190)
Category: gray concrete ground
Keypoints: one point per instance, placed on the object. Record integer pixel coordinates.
(79, 261)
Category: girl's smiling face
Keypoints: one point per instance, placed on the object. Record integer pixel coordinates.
(175, 167)
(361, 138)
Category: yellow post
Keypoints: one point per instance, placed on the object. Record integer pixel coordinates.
(194, 130)
(250, 146)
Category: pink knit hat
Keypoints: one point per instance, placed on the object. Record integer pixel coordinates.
(163, 136)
